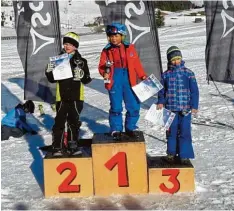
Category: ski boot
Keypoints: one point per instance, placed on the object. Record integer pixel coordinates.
(53, 107)
(41, 109)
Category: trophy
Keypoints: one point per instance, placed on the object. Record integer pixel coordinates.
(107, 70)
(78, 72)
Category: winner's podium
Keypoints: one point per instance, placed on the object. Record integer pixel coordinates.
(114, 167)
(119, 167)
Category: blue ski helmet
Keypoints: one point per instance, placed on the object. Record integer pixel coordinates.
(116, 28)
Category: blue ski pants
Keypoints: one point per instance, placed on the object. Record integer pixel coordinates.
(122, 91)
(179, 139)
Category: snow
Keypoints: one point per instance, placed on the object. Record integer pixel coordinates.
(21, 162)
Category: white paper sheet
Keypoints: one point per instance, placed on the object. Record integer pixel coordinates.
(62, 68)
(162, 117)
(147, 88)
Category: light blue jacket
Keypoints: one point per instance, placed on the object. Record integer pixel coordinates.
(16, 118)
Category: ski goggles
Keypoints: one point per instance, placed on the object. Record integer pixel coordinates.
(110, 29)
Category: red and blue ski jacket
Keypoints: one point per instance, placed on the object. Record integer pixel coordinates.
(123, 56)
(180, 90)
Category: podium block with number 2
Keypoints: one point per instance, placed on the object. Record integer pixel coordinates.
(68, 177)
(119, 168)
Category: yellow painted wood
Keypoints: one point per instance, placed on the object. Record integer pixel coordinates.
(84, 177)
(185, 178)
(106, 181)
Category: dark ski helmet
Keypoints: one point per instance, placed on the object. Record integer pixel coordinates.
(116, 28)
(29, 106)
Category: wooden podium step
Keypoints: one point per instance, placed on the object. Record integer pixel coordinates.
(69, 176)
(119, 167)
(169, 178)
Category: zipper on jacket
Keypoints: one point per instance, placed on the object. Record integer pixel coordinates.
(121, 58)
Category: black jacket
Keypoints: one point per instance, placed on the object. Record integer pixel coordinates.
(70, 89)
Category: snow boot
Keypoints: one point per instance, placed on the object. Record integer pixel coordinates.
(73, 148)
(116, 135)
(185, 161)
(134, 134)
(169, 159)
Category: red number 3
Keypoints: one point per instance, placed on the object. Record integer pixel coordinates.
(119, 159)
(173, 173)
(65, 186)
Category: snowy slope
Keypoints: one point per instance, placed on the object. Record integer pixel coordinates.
(213, 143)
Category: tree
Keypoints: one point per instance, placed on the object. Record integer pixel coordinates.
(159, 18)
(173, 6)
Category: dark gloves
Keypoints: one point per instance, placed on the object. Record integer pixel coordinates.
(86, 79)
(34, 132)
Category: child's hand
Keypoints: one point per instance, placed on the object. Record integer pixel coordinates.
(33, 132)
(144, 77)
(159, 106)
(50, 67)
(106, 76)
(194, 111)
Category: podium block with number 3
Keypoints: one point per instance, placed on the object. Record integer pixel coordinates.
(170, 178)
(119, 167)
(68, 177)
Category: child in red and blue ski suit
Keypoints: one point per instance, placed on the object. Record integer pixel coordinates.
(181, 96)
(126, 68)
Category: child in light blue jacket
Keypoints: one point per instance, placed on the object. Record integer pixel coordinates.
(15, 124)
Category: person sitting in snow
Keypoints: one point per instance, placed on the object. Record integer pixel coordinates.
(15, 124)
(69, 96)
(121, 66)
(181, 96)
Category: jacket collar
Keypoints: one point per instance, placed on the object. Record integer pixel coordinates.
(109, 45)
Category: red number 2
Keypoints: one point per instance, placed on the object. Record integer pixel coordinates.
(119, 159)
(65, 186)
(173, 173)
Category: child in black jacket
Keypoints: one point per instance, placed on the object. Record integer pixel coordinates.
(69, 94)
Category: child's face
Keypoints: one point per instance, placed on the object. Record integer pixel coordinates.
(69, 48)
(116, 39)
(176, 61)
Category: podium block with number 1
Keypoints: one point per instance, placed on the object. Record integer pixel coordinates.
(119, 167)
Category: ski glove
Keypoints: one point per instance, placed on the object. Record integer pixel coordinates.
(50, 67)
(34, 132)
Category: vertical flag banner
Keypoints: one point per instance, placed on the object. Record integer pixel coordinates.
(220, 40)
(37, 26)
(139, 18)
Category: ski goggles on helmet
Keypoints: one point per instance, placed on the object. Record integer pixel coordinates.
(110, 30)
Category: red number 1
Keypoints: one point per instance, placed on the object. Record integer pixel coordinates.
(119, 159)
(65, 186)
(173, 173)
